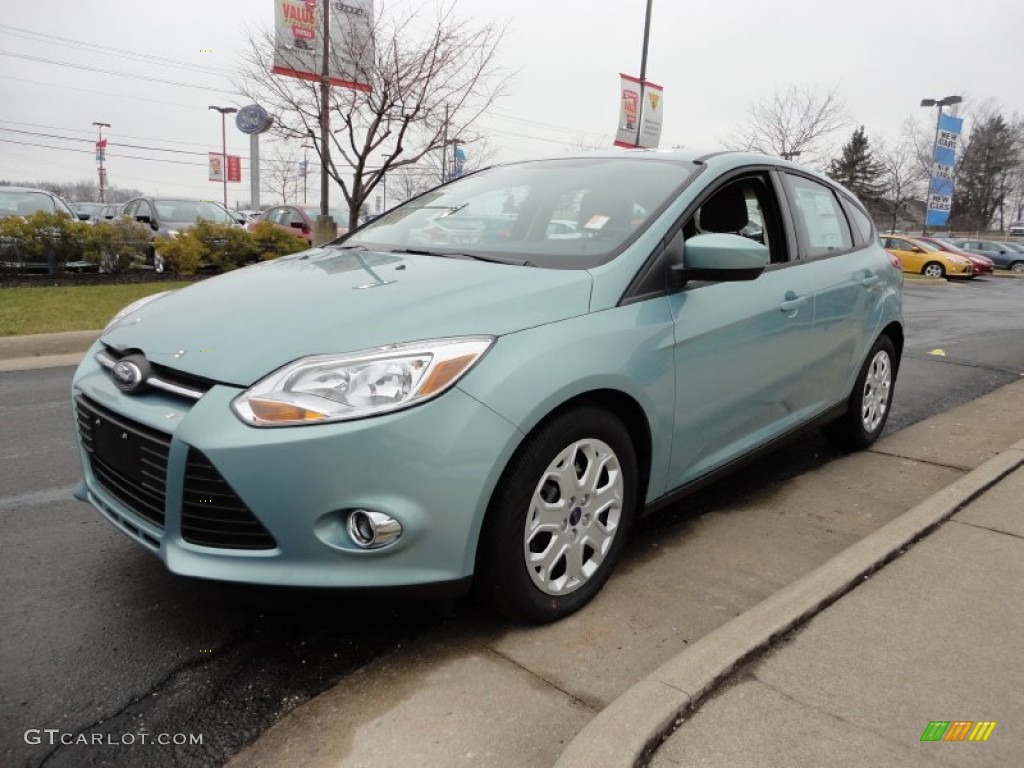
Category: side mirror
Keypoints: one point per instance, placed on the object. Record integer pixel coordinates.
(83, 216)
(298, 224)
(721, 257)
(143, 218)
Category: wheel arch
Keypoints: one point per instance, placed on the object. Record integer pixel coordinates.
(894, 331)
(616, 402)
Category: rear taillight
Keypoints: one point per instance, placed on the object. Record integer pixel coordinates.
(895, 261)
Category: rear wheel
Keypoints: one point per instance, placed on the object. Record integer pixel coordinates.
(1017, 266)
(869, 402)
(559, 517)
(933, 269)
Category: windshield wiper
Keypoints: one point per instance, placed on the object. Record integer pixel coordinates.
(473, 256)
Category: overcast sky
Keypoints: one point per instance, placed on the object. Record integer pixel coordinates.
(67, 63)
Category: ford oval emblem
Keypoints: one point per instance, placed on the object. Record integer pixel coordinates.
(127, 376)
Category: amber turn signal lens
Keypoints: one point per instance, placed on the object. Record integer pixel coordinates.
(444, 373)
(274, 412)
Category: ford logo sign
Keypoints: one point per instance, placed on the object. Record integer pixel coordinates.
(128, 374)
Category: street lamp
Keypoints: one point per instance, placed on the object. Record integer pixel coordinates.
(940, 103)
(224, 147)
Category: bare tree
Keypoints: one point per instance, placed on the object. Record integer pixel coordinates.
(903, 177)
(281, 173)
(411, 180)
(427, 73)
(791, 122)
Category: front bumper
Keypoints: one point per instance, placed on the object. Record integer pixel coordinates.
(432, 467)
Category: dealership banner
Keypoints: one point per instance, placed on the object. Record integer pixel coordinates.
(298, 46)
(650, 118)
(630, 91)
(640, 109)
(216, 163)
(940, 188)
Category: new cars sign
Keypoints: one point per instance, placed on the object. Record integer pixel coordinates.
(298, 45)
(940, 190)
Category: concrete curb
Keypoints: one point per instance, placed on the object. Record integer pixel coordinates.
(46, 344)
(626, 732)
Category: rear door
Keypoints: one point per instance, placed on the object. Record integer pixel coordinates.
(839, 245)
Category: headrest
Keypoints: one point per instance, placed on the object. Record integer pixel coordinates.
(726, 211)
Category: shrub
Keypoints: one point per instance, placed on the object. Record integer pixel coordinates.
(48, 240)
(180, 255)
(272, 241)
(119, 245)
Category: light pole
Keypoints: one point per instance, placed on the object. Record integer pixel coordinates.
(101, 152)
(224, 111)
(940, 103)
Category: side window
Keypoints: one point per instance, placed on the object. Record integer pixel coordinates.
(820, 216)
(129, 210)
(862, 224)
(746, 206)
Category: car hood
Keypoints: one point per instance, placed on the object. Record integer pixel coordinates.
(238, 327)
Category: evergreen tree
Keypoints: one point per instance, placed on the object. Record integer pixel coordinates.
(857, 169)
(983, 173)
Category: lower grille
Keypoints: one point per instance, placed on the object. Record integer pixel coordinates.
(212, 515)
(128, 459)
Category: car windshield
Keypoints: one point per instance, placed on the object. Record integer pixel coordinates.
(190, 211)
(571, 213)
(22, 203)
(1015, 247)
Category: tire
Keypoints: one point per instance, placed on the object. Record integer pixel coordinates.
(933, 269)
(580, 469)
(1017, 266)
(869, 403)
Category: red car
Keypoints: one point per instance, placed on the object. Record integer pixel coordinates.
(982, 264)
(299, 219)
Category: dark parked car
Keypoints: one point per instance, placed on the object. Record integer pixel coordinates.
(167, 216)
(24, 201)
(299, 219)
(1005, 255)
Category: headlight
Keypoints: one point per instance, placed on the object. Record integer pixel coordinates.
(133, 307)
(328, 388)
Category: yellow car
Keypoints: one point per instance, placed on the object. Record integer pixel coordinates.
(925, 259)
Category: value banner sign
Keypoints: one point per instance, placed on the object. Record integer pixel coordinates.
(940, 188)
(299, 48)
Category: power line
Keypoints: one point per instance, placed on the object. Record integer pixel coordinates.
(113, 142)
(121, 135)
(114, 72)
(107, 50)
(117, 155)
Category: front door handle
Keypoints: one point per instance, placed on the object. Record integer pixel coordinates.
(869, 280)
(791, 302)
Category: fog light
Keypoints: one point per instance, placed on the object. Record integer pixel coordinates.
(372, 530)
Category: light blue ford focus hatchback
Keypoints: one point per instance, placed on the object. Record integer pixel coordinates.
(490, 383)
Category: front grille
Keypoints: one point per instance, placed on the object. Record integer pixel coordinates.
(197, 386)
(128, 459)
(212, 515)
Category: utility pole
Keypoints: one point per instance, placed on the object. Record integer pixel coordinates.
(101, 153)
(305, 169)
(325, 228)
(444, 148)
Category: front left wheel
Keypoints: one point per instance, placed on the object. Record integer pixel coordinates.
(559, 516)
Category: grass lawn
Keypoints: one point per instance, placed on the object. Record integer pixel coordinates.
(48, 309)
